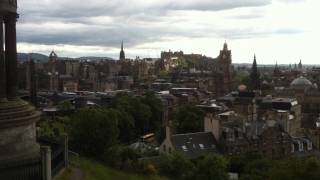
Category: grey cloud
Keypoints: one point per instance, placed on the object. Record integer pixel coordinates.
(84, 8)
(134, 21)
(251, 33)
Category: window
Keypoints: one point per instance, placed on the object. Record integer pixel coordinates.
(184, 148)
(300, 146)
(201, 146)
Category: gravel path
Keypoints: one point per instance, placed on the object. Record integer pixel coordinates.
(76, 174)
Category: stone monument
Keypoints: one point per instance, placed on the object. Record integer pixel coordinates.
(17, 117)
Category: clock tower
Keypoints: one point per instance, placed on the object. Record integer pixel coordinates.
(224, 64)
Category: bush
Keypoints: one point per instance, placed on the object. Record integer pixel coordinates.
(212, 166)
(177, 167)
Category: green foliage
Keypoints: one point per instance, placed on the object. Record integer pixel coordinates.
(177, 167)
(257, 167)
(188, 119)
(238, 162)
(65, 106)
(156, 108)
(93, 131)
(138, 115)
(212, 167)
(94, 170)
(52, 129)
(242, 77)
(163, 74)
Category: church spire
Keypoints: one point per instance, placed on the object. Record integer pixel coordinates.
(225, 45)
(300, 65)
(121, 45)
(254, 75)
(276, 70)
(122, 54)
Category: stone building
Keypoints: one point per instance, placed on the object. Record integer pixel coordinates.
(198, 71)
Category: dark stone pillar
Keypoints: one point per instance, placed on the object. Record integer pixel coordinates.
(3, 89)
(11, 55)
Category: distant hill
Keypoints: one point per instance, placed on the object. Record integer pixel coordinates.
(93, 58)
(35, 56)
(43, 58)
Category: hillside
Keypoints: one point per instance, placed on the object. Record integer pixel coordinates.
(85, 169)
(35, 56)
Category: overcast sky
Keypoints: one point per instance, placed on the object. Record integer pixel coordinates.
(275, 30)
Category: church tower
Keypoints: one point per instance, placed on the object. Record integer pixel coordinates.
(122, 54)
(225, 68)
(254, 76)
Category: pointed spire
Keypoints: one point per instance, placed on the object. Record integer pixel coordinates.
(254, 75)
(225, 45)
(300, 65)
(122, 54)
(276, 69)
(122, 45)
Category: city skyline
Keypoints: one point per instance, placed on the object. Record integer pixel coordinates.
(279, 30)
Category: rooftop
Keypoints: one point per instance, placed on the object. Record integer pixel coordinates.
(194, 144)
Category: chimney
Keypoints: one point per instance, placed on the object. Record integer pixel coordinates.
(211, 124)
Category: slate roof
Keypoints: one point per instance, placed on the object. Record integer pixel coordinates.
(193, 145)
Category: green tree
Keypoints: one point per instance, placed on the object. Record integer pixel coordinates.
(93, 131)
(140, 112)
(65, 106)
(212, 167)
(188, 119)
(126, 125)
(156, 108)
(177, 166)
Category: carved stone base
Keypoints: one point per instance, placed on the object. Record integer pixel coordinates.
(18, 130)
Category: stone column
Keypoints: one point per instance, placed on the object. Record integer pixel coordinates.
(3, 89)
(11, 55)
(66, 150)
(46, 162)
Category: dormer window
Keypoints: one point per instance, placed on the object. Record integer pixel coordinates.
(309, 143)
(201, 146)
(184, 148)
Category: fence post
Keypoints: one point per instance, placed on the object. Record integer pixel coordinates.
(66, 151)
(46, 162)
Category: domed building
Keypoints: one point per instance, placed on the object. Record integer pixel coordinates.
(301, 83)
(242, 88)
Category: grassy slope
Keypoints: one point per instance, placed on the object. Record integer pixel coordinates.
(96, 171)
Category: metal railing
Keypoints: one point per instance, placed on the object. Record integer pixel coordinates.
(23, 170)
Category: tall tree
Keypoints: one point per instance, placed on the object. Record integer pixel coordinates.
(188, 119)
(93, 131)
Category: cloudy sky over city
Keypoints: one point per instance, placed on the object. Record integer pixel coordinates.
(275, 30)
